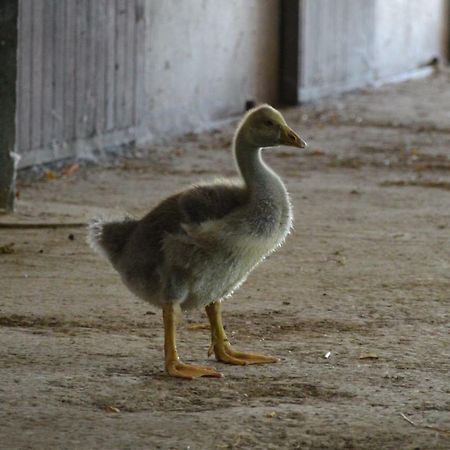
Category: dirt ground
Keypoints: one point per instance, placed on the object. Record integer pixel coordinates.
(364, 279)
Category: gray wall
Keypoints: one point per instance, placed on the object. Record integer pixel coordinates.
(408, 34)
(97, 73)
(335, 45)
(80, 76)
(347, 44)
(206, 58)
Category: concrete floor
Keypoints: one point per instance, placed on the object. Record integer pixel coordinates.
(365, 277)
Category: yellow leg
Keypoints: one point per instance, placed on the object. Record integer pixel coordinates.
(222, 347)
(174, 366)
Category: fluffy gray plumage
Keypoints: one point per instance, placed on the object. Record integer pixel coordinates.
(199, 245)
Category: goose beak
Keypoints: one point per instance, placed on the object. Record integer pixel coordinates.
(291, 138)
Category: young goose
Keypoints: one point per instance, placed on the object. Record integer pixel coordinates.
(196, 247)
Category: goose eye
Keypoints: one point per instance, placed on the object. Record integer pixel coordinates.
(269, 123)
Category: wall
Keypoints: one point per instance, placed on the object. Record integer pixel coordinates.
(336, 46)
(206, 58)
(99, 73)
(79, 81)
(347, 44)
(408, 35)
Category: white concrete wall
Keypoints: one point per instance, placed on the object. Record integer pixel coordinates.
(348, 44)
(205, 58)
(408, 34)
(336, 41)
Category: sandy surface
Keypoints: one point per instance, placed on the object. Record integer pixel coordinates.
(365, 276)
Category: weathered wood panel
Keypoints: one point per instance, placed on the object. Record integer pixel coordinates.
(78, 84)
(37, 30)
(139, 68)
(25, 76)
(47, 71)
(111, 69)
(56, 117)
(99, 90)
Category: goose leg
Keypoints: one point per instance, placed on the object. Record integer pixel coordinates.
(174, 366)
(222, 347)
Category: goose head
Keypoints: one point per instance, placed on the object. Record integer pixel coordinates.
(264, 126)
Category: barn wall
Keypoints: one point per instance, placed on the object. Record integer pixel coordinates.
(336, 49)
(347, 44)
(99, 73)
(204, 61)
(408, 35)
(78, 82)
(93, 74)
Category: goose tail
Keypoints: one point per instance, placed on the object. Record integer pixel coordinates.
(109, 238)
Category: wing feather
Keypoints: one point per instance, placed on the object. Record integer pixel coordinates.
(211, 202)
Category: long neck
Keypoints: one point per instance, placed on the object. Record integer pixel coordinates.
(260, 180)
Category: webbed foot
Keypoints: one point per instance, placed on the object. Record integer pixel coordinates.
(176, 368)
(226, 354)
(221, 347)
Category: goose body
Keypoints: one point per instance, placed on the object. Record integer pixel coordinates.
(198, 246)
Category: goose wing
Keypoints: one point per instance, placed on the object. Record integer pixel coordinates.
(213, 202)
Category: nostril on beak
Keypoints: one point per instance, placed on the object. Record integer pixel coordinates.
(292, 136)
